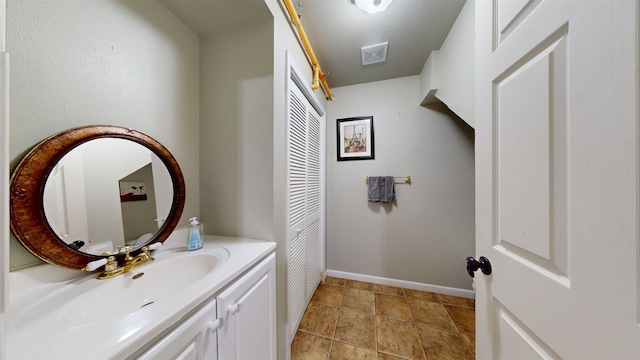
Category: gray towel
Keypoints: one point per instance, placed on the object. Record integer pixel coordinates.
(381, 189)
(373, 189)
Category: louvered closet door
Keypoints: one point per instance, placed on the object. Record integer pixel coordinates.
(297, 137)
(304, 182)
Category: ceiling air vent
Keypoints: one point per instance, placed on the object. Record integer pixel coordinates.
(374, 53)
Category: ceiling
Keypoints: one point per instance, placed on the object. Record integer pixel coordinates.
(337, 30)
(208, 16)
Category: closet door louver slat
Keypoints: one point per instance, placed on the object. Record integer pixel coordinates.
(313, 166)
(297, 160)
(297, 279)
(313, 257)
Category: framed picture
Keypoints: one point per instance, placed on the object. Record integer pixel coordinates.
(132, 191)
(355, 138)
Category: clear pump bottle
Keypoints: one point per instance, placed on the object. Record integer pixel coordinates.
(194, 240)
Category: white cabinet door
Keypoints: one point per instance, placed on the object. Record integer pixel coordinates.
(194, 339)
(557, 179)
(248, 313)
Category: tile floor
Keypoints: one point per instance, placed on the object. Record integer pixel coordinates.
(349, 319)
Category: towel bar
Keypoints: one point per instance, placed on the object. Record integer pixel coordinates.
(407, 179)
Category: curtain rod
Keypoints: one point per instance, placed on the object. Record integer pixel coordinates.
(318, 74)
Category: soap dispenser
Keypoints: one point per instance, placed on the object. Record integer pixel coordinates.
(194, 240)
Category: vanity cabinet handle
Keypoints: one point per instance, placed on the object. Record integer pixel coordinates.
(233, 309)
(213, 325)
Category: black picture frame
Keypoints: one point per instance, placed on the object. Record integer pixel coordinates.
(355, 138)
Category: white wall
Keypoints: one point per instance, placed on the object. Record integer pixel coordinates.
(236, 172)
(119, 62)
(425, 236)
(4, 185)
(429, 79)
(456, 74)
(138, 217)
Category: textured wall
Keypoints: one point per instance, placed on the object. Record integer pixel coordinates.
(236, 122)
(425, 236)
(128, 63)
(456, 70)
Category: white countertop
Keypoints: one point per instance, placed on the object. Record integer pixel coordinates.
(31, 336)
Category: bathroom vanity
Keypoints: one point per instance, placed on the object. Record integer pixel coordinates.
(215, 303)
(151, 300)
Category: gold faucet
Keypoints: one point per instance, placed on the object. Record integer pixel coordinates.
(131, 262)
(111, 269)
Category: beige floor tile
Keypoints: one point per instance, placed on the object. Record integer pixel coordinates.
(320, 320)
(310, 347)
(443, 345)
(330, 280)
(430, 314)
(356, 329)
(383, 356)
(342, 351)
(395, 307)
(471, 341)
(425, 295)
(457, 300)
(464, 318)
(359, 285)
(358, 300)
(391, 290)
(341, 323)
(399, 338)
(328, 295)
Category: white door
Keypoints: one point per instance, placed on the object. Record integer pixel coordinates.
(305, 172)
(65, 199)
(557, 179)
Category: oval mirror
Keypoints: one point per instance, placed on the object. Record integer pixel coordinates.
(85, 191)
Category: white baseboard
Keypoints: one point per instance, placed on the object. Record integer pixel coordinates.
(403, 284)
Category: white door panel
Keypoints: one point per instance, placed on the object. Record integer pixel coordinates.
(557, 178)
(517, 341)
(530, 158)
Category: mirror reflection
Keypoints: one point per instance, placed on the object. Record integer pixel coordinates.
(105, 193)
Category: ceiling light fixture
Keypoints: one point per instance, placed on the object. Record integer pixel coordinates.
(372, 6)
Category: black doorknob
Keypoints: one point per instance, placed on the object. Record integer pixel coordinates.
(473, 265)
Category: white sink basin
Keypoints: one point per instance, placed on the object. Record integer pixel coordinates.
(90, 300)
(130, 292)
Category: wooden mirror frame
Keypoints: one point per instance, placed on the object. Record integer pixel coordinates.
(28, 221)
